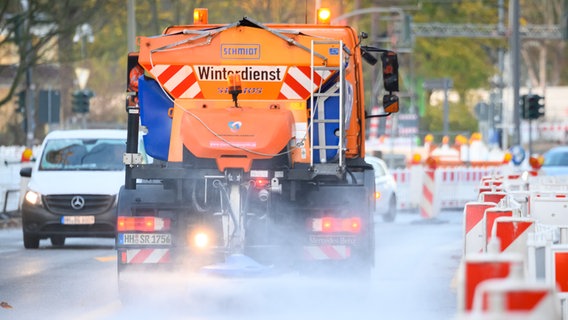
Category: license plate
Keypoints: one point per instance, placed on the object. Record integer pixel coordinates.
(145, 238)
(78, 220)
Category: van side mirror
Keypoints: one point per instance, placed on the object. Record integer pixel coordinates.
(390, 103)
(26, 172)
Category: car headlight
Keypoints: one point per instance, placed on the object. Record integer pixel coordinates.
(33, 198)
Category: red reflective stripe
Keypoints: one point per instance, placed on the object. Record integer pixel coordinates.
(307, 72)
(490, 216)
(168, 73)
(331, 252)
(518, 300)
(296, 86)
(561, 270)
(509, 231)
(479, 271)
(140, 256)
(474, 214)
(183, 85)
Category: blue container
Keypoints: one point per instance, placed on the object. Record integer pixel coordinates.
(331, 112)
(154, 105)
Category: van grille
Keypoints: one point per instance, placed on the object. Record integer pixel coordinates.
(93, 204)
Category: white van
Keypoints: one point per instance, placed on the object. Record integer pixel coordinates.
(73, 186)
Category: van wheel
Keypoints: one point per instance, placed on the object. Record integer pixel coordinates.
(31, 242)
(390, 216)
(57, 241)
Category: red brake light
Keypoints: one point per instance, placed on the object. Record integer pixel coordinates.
(261, 183)
(336, 225)
(146, 224)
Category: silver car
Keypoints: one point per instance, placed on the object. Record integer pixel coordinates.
(556, 162)
(385, 195)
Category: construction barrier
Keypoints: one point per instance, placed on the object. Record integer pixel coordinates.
(455, 186)
(527, 216)
(478, 267)
(515, 298)
(474, 212)
(429, 205)
(491, 214)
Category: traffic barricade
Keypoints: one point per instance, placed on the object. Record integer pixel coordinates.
(491, 214)
(549, 207)
(538, 245)
(448, 182)
(492, 196)
(515, 297)
(430, 203)
(474, 212)
(557, 267)
(479, 267)
(513, 234)
(403, 178)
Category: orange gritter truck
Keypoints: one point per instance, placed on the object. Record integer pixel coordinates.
(257, 133)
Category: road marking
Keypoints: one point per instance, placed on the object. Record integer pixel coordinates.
(106, 259)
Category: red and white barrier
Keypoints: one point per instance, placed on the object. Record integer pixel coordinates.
(479, 267)
(491, 215)
(528, 217)
(515, 298)
(549, 207)
(513, 234)
(455, 185)
(474, 213)
(492, 196)
(430, 204)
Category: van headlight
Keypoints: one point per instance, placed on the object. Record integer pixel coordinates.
(33, 198)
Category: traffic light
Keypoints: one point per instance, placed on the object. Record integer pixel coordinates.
(535, 108)
(21, 108)
(523, 106)
(81, 100)
(531, 106)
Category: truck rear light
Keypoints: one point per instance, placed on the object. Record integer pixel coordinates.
(146, 224)
(261, 183)
(336, 225)
(200, 238)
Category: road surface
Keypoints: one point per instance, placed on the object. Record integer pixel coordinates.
(416, 263)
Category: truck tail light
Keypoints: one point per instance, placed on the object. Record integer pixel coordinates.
(147, 224)
(336, 225)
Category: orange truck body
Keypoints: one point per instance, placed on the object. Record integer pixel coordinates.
(274, 72)
(258, 134)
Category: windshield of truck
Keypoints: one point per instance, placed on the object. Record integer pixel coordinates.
(83, 154)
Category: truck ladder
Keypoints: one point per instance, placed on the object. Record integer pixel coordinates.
(318, 125)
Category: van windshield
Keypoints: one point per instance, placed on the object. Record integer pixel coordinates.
(83, 154)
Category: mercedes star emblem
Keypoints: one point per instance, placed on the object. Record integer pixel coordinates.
(77, 202)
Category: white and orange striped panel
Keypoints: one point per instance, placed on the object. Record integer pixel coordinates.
(327, 252)
(179, 80)
(297, 82)
(141, 256)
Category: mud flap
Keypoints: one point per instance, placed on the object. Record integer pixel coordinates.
(238, 265)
